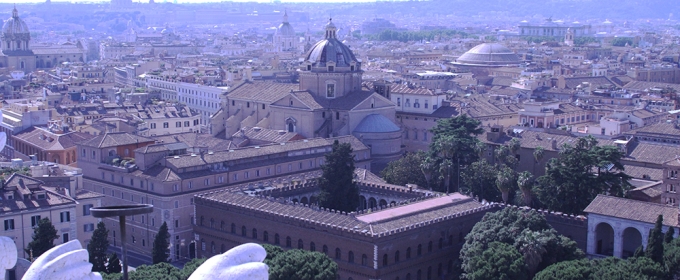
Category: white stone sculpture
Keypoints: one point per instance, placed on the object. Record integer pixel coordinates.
(242, 262)
(69, 261)
(8, 255)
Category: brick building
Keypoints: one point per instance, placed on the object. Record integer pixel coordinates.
(408, 233)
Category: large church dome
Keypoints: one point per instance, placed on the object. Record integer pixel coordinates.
(14, 27)
(488, 54)
(330, 49)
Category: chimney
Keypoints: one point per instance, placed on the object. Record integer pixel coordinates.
(554, 144)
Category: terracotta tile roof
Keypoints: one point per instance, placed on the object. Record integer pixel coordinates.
(265, 92)
(663, 128)
(641, 86)
(50, 141)
(633, 210)
(572, 83)
(641, 172)
(113, 139)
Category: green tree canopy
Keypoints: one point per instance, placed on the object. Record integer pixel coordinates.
(160, 251)
(499, 261)
(406, 170)
(579, 174)
(527, 232)
(98, 246)
(455, 140)
(43, 238)
(337, 188)
(479, 179)
(299, 264)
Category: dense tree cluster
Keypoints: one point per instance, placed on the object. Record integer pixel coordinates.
(581, 172)
(299, 264)
(513, 244)
(159, 271)
(406, 170)
(406, 36)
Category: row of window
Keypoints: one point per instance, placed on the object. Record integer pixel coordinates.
(233, 103)
(177, 124)
(338, 253)
(415, 134)
(64, 217)
(416, 103)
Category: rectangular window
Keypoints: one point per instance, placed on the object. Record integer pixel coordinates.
(246, 175)
(257, 173)
(64, 238)
(152, 186)
(207, 182)
(176, 223)
(220, 179)
(88, 227)
(65, 216)
(176, 204)
(35, 220)
(9, 224)
(187, 124)
(166, 125)
(278, 169)
(191, 185)
(268, 171)
(175, 188)
(86, 209)
(290, 167)
(235, 177)
(132, 182)
(178, 124)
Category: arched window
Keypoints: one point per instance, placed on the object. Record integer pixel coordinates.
(254, 234)
(212, 247)
(312, 247)
(364, 259)
(233, 228)
(277, 240)
(440, 270)
(420, 250)
(385, 260)
(325, 249)
(265, 236)
(338, 254)
(396, 257)
(243, 231)
(222, 226)
(419, 275)
(350, 257)
(408, 253)
(212, 223)
(408, 276)
(288, 242)
(300, 244)
(429, 272)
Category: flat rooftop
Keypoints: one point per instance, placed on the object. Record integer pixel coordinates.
(413, 208)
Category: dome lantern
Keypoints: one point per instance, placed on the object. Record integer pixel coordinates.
(331, 30)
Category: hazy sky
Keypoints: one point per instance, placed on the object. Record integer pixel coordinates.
(191, 1)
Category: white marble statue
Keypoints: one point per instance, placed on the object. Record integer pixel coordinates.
(242, 262)
(8, 255)
(69, 261)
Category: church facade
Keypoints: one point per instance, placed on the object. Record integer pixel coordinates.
(329, 101)
(19, 54)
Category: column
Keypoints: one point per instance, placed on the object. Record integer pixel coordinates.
(590, 247)
(618, 242)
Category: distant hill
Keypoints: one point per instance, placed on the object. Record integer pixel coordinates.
(582, 9)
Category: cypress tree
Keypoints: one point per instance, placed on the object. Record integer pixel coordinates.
(114, 265)
(655, 242)
(43, 239)
(159, 253)
(669, 235)
(97, 247)
(337, 188)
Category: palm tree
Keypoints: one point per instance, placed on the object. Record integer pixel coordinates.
(504, 182)
(514, 146)
(501, 154)
(427, 167)
(525, 182)
(539, 152)
(532, 246)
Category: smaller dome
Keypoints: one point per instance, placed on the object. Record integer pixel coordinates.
(488, 54)
(376, 123)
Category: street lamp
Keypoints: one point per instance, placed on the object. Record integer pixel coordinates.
(121, 211)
